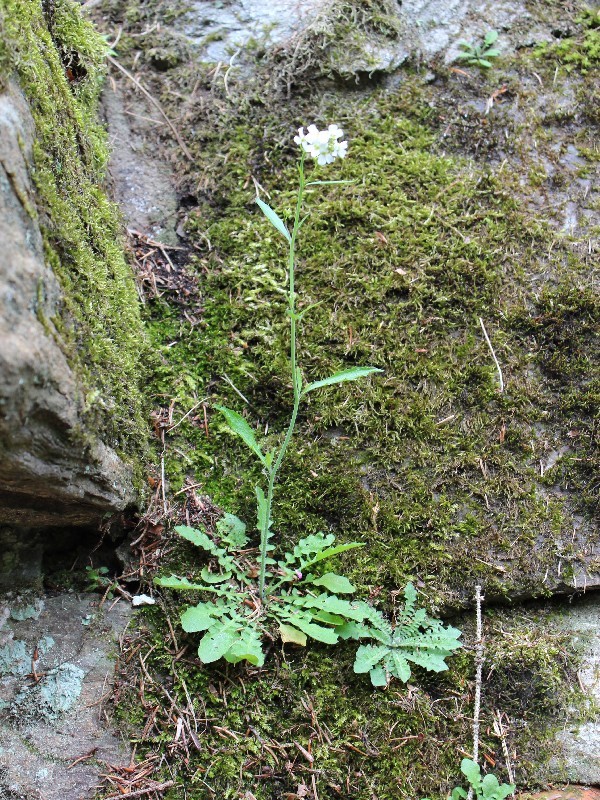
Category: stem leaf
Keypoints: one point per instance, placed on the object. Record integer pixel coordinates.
(352, 374)
(240, 427)
(264, 523)
(273, 218)
(328, 183)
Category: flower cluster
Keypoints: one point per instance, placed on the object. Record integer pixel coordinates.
(323, 146)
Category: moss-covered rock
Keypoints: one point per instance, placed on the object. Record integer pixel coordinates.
(73, 420)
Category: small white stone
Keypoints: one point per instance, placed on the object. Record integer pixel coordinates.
(142, 600)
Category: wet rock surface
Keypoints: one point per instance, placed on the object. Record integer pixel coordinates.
(143, 184)
(56, 667)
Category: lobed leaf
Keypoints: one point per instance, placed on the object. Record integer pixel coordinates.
(198, 618)
(378, 677)
(216, 642)
(199, 538)
(246, 647)
(367, 656)
(232, 530)
(173, 582)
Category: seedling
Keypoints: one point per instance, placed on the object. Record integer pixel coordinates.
(480, 55)
(486, 788)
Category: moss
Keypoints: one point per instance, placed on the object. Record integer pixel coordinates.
(405, 742)
(59, 63)
(428, 459)
(581, 52)
(430, 465)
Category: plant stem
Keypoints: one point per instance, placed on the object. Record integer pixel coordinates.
(296, 381)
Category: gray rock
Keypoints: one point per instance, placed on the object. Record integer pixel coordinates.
(423, 28)
(46, 725)
(50, 474)
(142, 184)
(578, 759)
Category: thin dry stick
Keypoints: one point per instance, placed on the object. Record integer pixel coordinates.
(478, 671)
(501, 733)
(158, 787)
(489, 344)
(154, 102)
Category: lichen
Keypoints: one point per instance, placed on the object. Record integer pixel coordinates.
(58, 60)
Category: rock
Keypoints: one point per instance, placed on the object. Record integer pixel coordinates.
(376, 40)
(142, 183)
(578, 757)
(46, 725)
(53, 471)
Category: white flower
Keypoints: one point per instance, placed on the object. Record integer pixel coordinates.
(323, 146)
(142, 600)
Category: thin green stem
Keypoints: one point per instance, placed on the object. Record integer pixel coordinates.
(296, 381)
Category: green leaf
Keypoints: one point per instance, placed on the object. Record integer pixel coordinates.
(199, 538)
(214, 577)
(198, 618)
(317, 632)
(246, 647)
(332, 551)
(490, 38)
(489, 785)
(471, 771)
(173, 582)
(216, 643)
(398, 666)
(292, 635)
(504, 790)
(273, 218)
(353, 630)
(233, 531)
(240, 427)
(262, 509)
(335, 583)
(367, 656)
(458, 792)
(341, 377)
(334, 605)
(493, 53)
(378, 677)
(483, 63)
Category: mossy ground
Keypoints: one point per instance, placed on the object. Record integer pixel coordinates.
(59, 61)
(429, 464)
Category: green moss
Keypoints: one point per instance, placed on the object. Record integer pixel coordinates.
(429, 464)
(581, 52)
(406, 742)
(429, 459)
(59, 64)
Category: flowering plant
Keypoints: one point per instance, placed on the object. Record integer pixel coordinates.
(289, 594)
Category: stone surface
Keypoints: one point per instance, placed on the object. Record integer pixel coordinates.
(579, 742)
(426, 28)
(52, 471)
(142, 183)
(46, 725)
